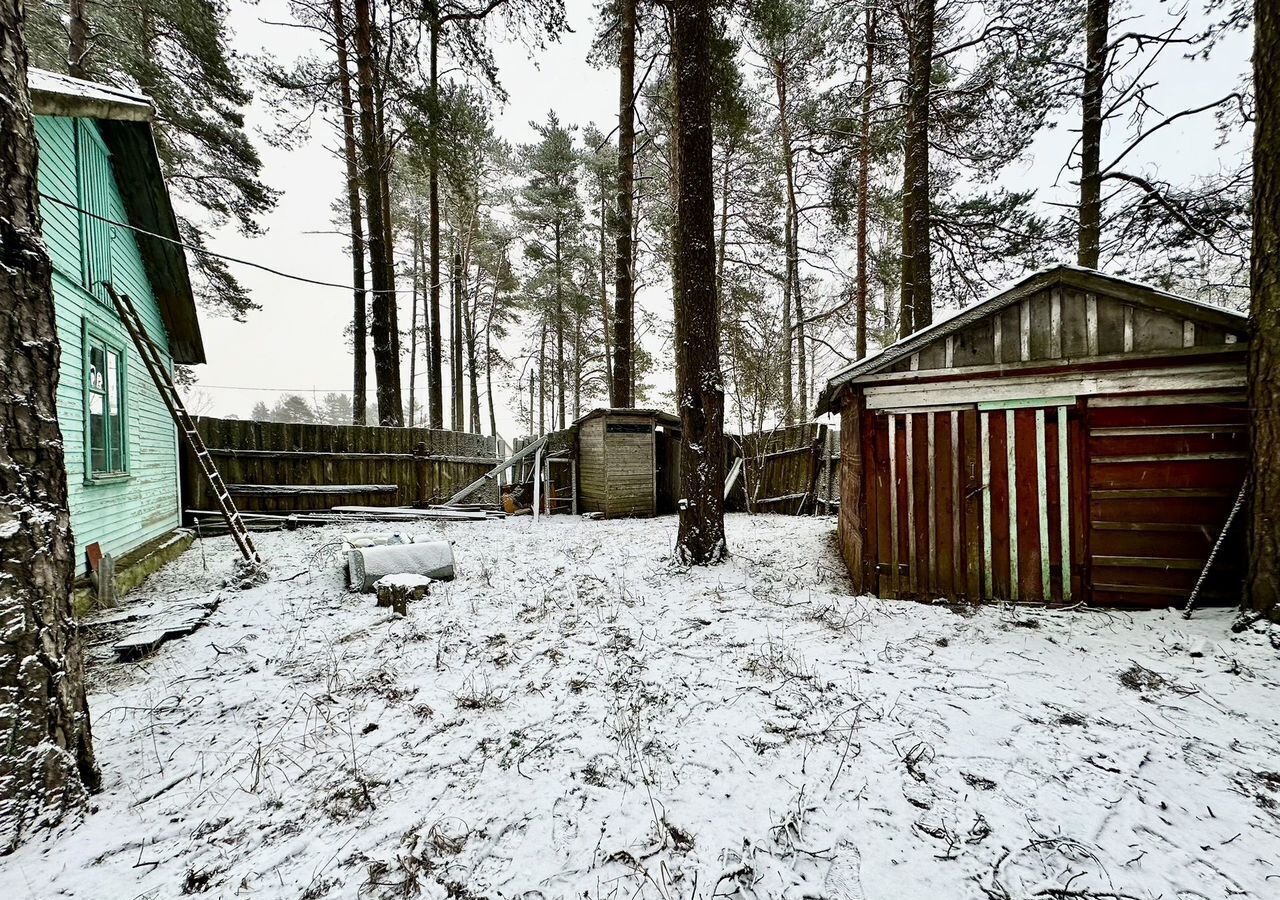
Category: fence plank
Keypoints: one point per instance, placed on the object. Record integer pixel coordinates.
(279, 462)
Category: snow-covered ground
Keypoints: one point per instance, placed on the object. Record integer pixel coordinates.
(575, 716)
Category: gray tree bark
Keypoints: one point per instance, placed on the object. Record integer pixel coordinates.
(386, 349)
(1097, 22)
(360, 327)
(864, 179)
(621, 391)
(699, 384)
(917, 275)
(47, 768)
(1264, 346)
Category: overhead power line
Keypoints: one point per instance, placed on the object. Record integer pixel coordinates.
(203, 252)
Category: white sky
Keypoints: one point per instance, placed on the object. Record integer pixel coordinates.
(295, 342)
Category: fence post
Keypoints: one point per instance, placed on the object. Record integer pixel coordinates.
(421, 472)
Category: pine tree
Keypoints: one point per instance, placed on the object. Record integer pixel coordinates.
(551, 211)
(699, 387)
(48, 767)
(176, 52)
(1264, 346)
(622, 377)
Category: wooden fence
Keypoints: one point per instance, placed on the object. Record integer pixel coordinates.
(794, 471)
(280, 467)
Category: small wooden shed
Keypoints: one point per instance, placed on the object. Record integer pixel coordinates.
(628, 462)
(1075, 438)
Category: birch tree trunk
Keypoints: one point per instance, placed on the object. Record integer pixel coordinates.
(359, 325)
(623, 375)
(47, 767)
(1097, 23)
(1264, 346)
(699, 385)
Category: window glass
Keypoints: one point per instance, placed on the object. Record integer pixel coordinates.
(115, 421)
(104, 377)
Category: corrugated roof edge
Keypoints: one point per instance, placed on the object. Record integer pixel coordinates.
(1080, 276)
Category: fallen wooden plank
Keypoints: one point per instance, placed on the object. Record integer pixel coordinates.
(409, 512)
(313, 488)
(496, 471)
(732, 479)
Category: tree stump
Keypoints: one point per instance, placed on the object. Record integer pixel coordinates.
(396, 591)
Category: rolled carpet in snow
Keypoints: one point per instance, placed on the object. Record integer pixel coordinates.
(365, 565)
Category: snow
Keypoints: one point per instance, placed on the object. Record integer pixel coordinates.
(577, 716)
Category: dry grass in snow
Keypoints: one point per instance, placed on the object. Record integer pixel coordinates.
(577, 717)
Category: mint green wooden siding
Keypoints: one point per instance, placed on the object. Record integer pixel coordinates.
(119, 513)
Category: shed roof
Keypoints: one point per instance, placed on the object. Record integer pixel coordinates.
(663, 418)
(124, 119)
(1068, 275)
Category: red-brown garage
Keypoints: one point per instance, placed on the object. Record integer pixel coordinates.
(1075, 438)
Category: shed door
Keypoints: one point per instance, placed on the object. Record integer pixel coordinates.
(1162, 479)
(971, 503)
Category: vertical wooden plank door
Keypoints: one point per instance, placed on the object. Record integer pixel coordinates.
(972, 503)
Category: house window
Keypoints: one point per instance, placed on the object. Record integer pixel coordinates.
(104, 390)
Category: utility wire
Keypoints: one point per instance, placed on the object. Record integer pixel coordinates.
(204, 252)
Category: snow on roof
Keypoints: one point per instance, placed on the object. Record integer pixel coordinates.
(54, 94)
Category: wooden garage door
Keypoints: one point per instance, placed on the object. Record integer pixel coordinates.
(1162, 479)
(969, 503)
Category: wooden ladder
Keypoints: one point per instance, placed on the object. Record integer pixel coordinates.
(154, 362)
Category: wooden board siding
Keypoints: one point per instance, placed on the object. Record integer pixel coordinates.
(591, 469)
(1065, 323)
(1161, 481)
(629, 466)
(270, 464)
(125, 512)
(963, 504)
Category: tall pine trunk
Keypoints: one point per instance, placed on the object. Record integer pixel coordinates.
(864, 179)
(77, 39)
(386, 362)
(559, 328)
(623, 379)
(605, 316)
(429, 315)
(488, 380)
(1096, 24)
(917, 279)
(359, 325)
(47, 767)
(789, 286)
(455, 345)
(1264, 346)
(433, 189)
(413, 334)
(542, 381)
(473, 364)
(699, 385)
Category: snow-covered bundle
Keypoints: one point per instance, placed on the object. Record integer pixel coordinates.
(365, 565)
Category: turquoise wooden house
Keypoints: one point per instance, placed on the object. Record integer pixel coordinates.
(99, 166)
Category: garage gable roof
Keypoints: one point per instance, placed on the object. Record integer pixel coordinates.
(1083, 279)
